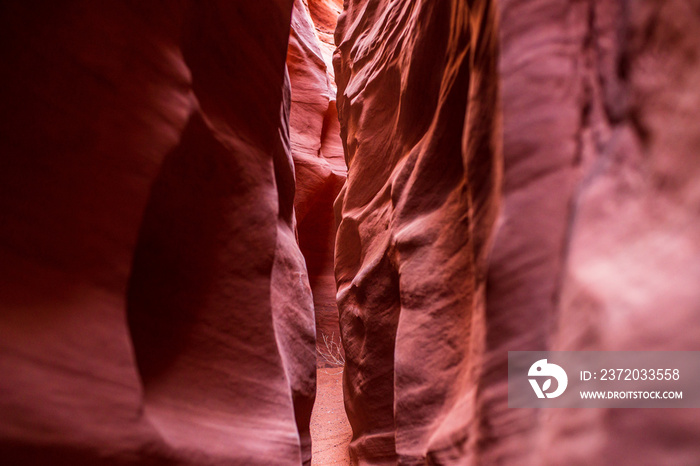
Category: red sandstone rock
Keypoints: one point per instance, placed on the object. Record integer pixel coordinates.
(417, 99)
(613, 259)
(319, 164)
(595, 248)
(155, 304)
(325, 16)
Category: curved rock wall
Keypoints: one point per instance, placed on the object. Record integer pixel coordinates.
(417, 99)
(318, 159)
(157, 263)
(156, 306)
(595, 245)
(600, 147)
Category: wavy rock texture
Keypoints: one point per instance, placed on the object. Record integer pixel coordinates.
(598, 246)
(318, 159)
(325, 17)
(596, 238)
(156, 306)
(417, 99)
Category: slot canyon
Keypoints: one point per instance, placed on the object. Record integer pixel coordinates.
(283, 232)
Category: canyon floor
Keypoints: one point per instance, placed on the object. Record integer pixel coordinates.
(330, 430)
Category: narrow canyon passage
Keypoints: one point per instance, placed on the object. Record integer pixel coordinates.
(320, 173)
(312, 232)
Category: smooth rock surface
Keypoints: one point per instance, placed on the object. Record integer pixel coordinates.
(155, 304)
(418, 106)
(319, 162)
(597, 247)
(596, 242)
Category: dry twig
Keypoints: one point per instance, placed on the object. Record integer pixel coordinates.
(333, 353)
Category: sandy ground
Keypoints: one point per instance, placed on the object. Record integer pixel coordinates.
(330, 430)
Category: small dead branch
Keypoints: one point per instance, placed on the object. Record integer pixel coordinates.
(333, 353)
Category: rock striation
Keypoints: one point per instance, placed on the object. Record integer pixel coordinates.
(503, 176)
(318, 158)
(418, 107)
(156, 307)
(586, 239)
(598, 239)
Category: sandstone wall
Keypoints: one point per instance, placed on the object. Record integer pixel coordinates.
(602, 156)
(318, 158)
(155, 304)
(595, 245)
(417, 100)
